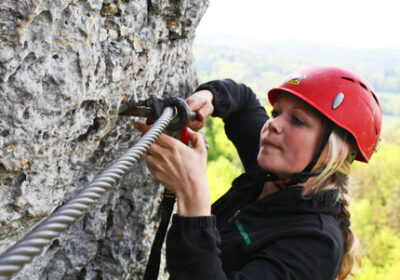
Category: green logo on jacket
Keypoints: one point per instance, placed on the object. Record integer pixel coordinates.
(242, 232)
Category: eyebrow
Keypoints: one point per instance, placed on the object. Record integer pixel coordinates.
(306, 110)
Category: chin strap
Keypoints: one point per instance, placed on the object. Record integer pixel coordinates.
(303, 176)
(295, 179)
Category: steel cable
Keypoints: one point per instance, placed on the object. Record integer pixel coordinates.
(23, 251)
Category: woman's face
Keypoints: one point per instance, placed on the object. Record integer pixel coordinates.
(291, 138)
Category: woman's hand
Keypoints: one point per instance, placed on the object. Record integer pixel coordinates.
(181, 169)
(200, 102)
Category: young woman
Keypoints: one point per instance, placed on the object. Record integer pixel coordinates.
(287, 216)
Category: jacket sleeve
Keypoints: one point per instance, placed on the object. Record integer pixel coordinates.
(243, 116)
(193, 253)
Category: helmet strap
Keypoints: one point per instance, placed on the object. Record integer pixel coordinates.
(325, 138)
(303, 176)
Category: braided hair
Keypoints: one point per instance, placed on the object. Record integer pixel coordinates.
(334, 175)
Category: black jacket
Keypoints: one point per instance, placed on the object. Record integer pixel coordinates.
(285, 235)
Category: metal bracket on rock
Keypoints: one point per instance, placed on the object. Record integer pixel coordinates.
(154, 106)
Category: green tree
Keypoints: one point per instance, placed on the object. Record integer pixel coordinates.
(375, 209)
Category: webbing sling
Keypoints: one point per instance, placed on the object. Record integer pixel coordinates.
(153, 265)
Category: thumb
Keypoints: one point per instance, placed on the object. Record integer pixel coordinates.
(198, 123)
(194, 104)
(197, 141)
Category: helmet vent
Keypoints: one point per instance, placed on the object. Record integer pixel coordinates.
(349, 79)
(364, 86)
(376, 98)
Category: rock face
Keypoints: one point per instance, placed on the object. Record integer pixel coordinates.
(65, 68)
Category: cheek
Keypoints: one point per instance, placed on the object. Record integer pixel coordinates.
(301, 149)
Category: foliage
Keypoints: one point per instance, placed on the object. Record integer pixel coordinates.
(220, 174)
(375, 210)
(221, 147)
(223, 162)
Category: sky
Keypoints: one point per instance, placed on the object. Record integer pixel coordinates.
(350, 23)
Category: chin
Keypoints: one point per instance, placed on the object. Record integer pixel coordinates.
(266, 163)
(273, 166)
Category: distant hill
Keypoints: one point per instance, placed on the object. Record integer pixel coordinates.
(381, 67)
(265, 68)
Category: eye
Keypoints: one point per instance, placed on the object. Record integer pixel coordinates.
(296, 120)
(274, 113)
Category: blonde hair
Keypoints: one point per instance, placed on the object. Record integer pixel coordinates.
(334, 175)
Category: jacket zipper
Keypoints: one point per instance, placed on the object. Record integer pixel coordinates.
(234, 216)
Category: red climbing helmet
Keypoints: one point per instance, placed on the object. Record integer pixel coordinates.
(343, 97)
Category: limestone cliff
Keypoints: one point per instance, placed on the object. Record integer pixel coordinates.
(65, 68)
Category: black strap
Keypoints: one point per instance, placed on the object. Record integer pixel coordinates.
(324, 141)
(153, 265)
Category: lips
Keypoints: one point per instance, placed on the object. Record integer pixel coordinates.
(271, 144)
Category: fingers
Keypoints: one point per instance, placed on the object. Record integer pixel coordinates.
(157, 151)
(178, 167)
(167, 142)
(154, 165)
(163, 140)
(200, 102)
(205, 107)
(197, 141)
(158, 171)
(200, 117)
(194, 103)
(197, 100)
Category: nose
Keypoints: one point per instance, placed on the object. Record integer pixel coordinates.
(274, 125)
